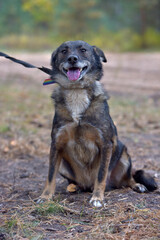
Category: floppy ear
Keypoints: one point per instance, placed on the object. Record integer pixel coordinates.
(53, 56)
(100, 53)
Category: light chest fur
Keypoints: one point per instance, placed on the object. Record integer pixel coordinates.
(77, 101)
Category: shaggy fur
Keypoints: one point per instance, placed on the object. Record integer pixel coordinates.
(85, 147)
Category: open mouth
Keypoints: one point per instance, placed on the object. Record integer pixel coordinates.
(75, 73)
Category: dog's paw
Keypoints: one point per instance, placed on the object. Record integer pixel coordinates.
(40, 200)
(44, 198)
(95, 202)
(140, 188)
(72, 188)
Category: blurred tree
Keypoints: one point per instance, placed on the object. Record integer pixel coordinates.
(12, 18)
(141, 16)
(78, 17)
(135, 14)
(145, 10)
(121, 23)
(42, 11)
(118, 14)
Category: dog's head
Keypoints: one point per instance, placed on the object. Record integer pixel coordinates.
(77, 64)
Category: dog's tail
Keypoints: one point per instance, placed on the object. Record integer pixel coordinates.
(144, 178)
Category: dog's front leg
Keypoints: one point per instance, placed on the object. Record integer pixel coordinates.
(100, 182)
(54, 163)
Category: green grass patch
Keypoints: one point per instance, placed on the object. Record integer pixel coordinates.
(49, 209)
(10, 224)
(140, 205)
(4, 128)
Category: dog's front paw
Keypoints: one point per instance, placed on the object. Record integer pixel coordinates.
(96, 202)
(40, 200)
(44, 198)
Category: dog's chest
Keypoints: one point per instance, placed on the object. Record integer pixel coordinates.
(77, 101)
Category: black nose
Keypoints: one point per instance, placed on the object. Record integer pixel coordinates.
(72, 59)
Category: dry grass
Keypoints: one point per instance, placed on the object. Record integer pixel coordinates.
(25, 124)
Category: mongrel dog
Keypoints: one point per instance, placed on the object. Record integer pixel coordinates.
(85, 147)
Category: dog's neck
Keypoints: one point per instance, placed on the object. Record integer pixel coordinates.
(78, 100)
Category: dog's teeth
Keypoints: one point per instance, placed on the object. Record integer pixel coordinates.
(80, 70)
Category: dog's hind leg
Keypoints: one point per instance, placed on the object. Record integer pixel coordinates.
(143, 179)
(120, 171)
(122, 176)
(67, 171)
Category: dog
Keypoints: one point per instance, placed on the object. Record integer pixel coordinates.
(85, 148)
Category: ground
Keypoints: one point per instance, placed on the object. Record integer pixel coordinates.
(26, 110)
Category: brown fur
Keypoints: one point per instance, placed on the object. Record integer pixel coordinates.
(85, 147)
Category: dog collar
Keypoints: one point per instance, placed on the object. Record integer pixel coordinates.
(48, 81)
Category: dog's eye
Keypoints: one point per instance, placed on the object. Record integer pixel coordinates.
(64, 51)
(83, 50)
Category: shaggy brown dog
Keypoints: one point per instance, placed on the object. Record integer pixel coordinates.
(85, 147)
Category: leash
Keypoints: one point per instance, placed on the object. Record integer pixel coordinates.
(28, 65)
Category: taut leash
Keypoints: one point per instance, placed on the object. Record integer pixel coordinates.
(28, 65)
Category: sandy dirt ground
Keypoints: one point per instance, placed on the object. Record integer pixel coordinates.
(133, 83)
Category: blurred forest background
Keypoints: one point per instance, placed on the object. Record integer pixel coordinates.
(119, 25)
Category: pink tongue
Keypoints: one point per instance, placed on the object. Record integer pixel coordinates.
(73, 74)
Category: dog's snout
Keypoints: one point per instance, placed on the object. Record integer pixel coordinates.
(72, 59)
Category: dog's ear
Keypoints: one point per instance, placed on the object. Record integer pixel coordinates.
(100, 53)
(53, 56)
